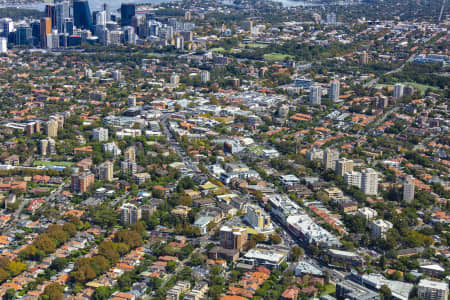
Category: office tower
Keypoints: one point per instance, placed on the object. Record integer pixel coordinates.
(331, 18)
(129, 214)
(61, 13)
(232, 238)
(369, 182)
(105, 7)
(52, 128)
(432, 290)
(335, 90)
(353, 178)
(8, 26)
(115, 37)
(187, 15)
(81, 14)
(408, 189)
(81, 182)
(106, 171)
(100, 18)
(36, 32)
(330, 157)
(50, 12)
(314, 95)
(23, 35)
(129, 35)
(131, 100)
(100, 134)
(53, 41)
(205, 76)
(179, 42)
(3, 45)
(398, 90)
(187, 35)
(364, 58)
(130, 153)
(128, 167)
(127, 11)
(46, 28)
(343, 166)
(174, 79)
(68, 26)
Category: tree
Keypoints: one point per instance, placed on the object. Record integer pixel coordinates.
(275, 239)
(53, 291)
(102, 293)
(295, 253)
(385, 292)
(59, 263)
(10, 294)
(16, 267)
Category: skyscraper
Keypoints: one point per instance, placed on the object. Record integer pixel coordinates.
(23, 35)
(68, 26)
(127, 12)
(50, 12)
(315, 95)
(36, 32)
(82, 14)
(61, 13)
(100, 18)
(335, 90)
(46, 28)
(369, 182)
(408, 189)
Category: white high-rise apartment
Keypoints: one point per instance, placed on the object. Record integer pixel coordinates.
(369, 182)
(335, 87)
(408, 189)
(398, 90)
(330, 157)
(353, 178)
(129, 214)
(205, 77)
(315, 95)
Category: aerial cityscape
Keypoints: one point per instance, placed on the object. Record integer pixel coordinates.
(224, 150)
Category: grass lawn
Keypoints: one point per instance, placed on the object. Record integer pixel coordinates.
(53, 163)
(253, 45)
(329, 288)
(421, 87)
(277, 56)
(220, 49)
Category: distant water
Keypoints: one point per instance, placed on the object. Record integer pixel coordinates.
(93, 4)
